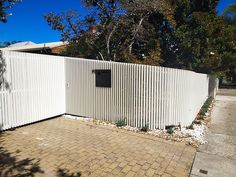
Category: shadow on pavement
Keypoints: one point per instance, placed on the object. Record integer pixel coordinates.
(65, 173)
(11, 166)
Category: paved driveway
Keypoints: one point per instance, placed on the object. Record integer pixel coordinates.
(64, 147)
(217, 158)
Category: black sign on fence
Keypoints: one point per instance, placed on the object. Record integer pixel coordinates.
(103, 78)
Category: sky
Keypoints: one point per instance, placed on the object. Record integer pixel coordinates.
(27, 22)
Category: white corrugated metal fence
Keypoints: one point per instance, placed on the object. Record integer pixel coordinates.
(37, 89)
(45, 86)
(142, 94)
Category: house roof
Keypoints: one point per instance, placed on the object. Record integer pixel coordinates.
(21, 44)
(29, 46)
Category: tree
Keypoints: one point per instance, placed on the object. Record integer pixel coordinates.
(4, 6)
(229, 59)
(186, 34)
(197, 41)
(229, 15)
(122, 30)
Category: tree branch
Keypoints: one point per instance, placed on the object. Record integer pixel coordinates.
(73, 27)
(101, 55)
(136, 32)
(109, 39)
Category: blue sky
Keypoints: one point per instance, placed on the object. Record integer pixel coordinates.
(28, 24)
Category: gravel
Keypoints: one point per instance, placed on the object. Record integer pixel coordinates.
(194, 137)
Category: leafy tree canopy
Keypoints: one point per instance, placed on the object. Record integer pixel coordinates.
(185, 34)
(197, 41)
(118, 30)
(229, 58)
(230, 15)
(4, 6)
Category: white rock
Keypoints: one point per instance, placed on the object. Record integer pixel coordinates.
(78, 118)
(192, 136)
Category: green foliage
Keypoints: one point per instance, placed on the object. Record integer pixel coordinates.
(205, 107)
(121, 122)
(170, 131)
(198, 39)
(209, 101)
(4, 6)
(228, 67)
(70, 50)
(186, 34)
(230, 14)
(121, 30)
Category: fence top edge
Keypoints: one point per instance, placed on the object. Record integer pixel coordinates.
(5, 52)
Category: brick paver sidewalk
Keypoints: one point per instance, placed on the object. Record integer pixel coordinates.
(64, 147)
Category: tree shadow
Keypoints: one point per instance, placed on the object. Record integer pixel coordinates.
(65, 173)
(11, 166)
(3, 82)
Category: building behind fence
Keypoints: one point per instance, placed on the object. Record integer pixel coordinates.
(43, 86)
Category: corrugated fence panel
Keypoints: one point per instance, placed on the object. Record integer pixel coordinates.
(144, 95)
(37, 89)
(44, 86)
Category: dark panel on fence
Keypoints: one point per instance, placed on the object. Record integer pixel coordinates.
(103, 78)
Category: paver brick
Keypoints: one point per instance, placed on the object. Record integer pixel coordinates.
(150, 172)
(66, 147)
(126, 169)
(130, 174)
(136, 167)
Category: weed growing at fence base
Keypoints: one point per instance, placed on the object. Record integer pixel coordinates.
(190, 127)
(205, 108)
(197, 122)
(121, 122)
(170, 131)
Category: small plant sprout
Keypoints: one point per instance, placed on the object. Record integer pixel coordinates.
(121, 122)
(190, 127)
(205, 108)
(170, 131)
